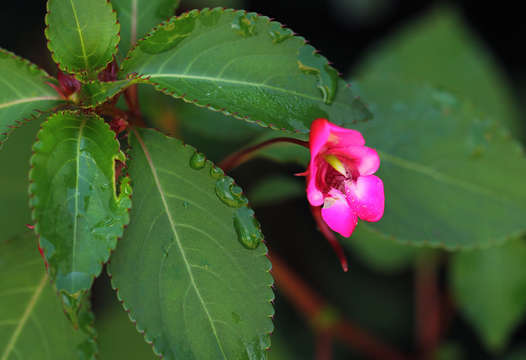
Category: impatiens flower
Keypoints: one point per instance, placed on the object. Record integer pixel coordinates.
(340, 177)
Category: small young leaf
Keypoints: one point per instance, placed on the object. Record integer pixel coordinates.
(82, 34)
(244, 65)
(73, 194)
(93, 93)
(32, 324)
(23, 92)
(180, 270)
(138, 17)
(490, 288)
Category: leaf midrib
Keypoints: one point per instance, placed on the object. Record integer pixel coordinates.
(177, 239)
(28, 100)
(23, 320)
(79, 31)
(77, 174)
(438, 176)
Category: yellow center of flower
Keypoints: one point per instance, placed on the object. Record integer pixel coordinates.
(336, 164)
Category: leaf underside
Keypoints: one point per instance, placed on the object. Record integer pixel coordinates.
(32, 324)
(244, 65)
(185, 279)
(23, 92)
(72, 192)
(82, 34)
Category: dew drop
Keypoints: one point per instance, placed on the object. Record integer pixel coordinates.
(314, 64)
(279, 33)
(245, 24)
(186, 204)
(197, 161)
(230, 194)
(247, 228)
(216, 172)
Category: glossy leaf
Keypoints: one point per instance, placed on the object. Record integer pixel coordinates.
(82, 34)
(94, 93)
(180, 270)
(14, 160)
(452, 176)
(246, 66)
(23, 92)
(32, 324)
(138, 17)
(490, 289)
(439, 49)
(78, 216)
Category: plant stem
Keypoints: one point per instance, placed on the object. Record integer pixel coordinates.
(427, 306)
(329, 235)
(315, 309)
(237, 158)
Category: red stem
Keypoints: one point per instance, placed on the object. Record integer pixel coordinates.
(324, 345)
(428, 306)
(329, 235)
(243, 155)
(312, 306)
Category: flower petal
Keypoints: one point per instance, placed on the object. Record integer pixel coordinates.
(319, 133)
(363, 158)
(340, 136)
(366, 197)
(314, 195)
(338, 215)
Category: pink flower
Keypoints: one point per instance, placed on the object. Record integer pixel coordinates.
(340, 177)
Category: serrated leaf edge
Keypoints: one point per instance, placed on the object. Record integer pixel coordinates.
(81, 73)
(130, 312)
(224, 111)
(33, 208)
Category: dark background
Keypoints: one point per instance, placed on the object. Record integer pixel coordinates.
(343, 38)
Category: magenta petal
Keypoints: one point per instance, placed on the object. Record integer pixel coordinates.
(319, 133)
(314, 195)
(340, 136)
(366, 196)
(365, 159)
(338, 215)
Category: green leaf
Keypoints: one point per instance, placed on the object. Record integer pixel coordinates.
(138, 17)
(490, 288)
(181, 272)
(439, 49)
(378, 252)
(23, 92)
(94, 93)
(246, 66)
(77, 213)
(14, 159)
(32, 324)
(452, 177)
(82, 34)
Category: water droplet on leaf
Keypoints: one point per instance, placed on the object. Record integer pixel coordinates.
(247, 228)
(216, 172)
(279, 33)
(170, 34)
(314, 64)
(245, 24)
(198, 161)
(230, 194)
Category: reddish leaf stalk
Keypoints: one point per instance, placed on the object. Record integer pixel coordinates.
(315, 310)
(243, 155)
(329, 235)
(428, 325)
